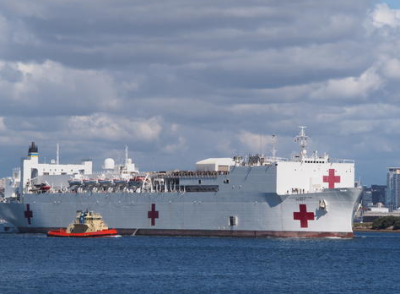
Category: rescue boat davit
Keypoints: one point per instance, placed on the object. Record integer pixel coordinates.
(86, 224)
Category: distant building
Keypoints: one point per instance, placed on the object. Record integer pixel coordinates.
(369, 214)
(379, 209)
(366, 197)
(2, 181)
(393, 188)
(374, 196)
(378, 193)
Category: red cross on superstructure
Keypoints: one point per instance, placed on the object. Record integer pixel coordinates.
(28, 214)
(331, 179)
(153, 214)
(303, 216)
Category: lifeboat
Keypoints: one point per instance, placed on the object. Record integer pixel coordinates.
(136, 181)
(90, 182)
(41, 188)
(75, 182)
(106, 182)
(45, 188)
(120, 182)
(86, 224)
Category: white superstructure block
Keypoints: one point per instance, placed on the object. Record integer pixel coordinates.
(301, 177)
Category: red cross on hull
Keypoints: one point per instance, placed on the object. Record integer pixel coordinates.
(28, 213)
(303, 216)
(331, 179)
(153, 214)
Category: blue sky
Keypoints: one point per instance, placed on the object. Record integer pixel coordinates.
(184, 80)
(393, 3)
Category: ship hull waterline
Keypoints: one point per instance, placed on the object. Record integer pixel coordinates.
(193, 214)
(205, 233)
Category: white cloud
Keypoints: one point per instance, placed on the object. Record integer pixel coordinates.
(2, 124)
(173, 148)
(391, 68)
(383, 16)
(256, 143)
(351, 87)
(52, 88)
(106, 127)
(199, 79)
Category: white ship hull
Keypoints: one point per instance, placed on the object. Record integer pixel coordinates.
(205, 214)
(308, 196)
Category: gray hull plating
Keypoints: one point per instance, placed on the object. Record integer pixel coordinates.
(245, 204)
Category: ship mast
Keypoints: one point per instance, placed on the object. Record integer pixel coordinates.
(58, 154)
(126, 154)
(302, 139)
(273, 147)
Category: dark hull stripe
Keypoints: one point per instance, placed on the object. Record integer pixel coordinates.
(214, 233)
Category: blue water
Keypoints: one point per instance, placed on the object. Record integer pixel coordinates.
(30, 263)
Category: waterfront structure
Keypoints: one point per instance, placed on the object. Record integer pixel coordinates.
(378, 193)
(393, 188)
(366, 197)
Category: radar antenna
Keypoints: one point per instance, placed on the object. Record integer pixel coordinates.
(302, 139)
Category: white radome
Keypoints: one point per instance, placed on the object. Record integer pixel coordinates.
(109, 163)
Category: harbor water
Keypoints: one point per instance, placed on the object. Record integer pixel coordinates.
(34, 263)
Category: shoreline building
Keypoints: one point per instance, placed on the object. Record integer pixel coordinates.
(393, 188)
(378, 193)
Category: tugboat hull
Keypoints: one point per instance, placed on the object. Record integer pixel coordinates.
(63, 233)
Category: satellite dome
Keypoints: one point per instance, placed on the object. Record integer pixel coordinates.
(109, 163)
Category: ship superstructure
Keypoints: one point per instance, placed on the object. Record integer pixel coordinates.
(305, 196)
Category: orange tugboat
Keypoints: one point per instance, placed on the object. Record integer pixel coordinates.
(86, 224)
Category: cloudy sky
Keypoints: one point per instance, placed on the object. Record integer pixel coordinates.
(183, 80)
